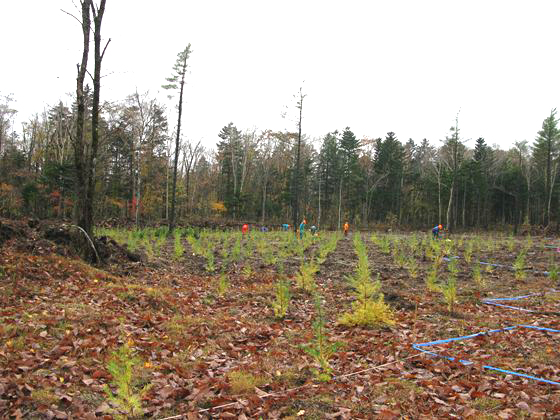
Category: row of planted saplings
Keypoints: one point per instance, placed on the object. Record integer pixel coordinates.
(443, 254)
(305, 277)
(367, 309)
(237, 251)
(233, 249)
(149, 239)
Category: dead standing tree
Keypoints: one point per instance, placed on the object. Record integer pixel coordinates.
(85, 153)
(296, 181)
(177, 81)
(454, 151)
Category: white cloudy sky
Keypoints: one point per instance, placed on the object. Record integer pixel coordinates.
(376, 66)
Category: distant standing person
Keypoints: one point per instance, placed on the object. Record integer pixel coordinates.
(245, 229)
(346, 227)
(285, 227)
(302, 228)
(435, 231)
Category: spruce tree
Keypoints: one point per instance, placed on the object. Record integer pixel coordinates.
(545, 155)
(351, 175)
(389, 163)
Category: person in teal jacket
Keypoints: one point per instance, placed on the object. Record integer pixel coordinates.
(302, 228)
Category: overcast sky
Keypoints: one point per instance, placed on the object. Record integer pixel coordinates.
(375, 66)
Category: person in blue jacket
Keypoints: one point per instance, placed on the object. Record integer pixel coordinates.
(435, 231)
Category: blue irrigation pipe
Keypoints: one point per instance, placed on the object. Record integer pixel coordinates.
(418, 346)
(546, 273)
(495, 265)
(508, 306)
(453, 257)
(514, 298)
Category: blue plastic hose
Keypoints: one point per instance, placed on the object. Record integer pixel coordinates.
(418, 346)
(509, 299)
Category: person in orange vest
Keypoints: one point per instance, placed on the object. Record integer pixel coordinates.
(346, 227)
(245, 229)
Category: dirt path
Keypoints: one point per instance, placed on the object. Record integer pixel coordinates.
(341, 262)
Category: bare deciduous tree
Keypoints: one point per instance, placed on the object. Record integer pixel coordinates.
(177, 82)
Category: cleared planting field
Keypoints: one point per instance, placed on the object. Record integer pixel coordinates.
(216, 325)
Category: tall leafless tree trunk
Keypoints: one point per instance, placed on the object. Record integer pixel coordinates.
(437, 170)
(547, 182)
(554, 173)
(234, 174)
(97, 13)
(319, 202)
(296, 181)
(453, 166)
(79, 140)
(263, 202)
(339, 203)
(180, 70)
(168, 154)
(464, 215)
(85, 155)
(248, 144)
(176, 159)
(137, 150)
(191, 157)
(449, 203)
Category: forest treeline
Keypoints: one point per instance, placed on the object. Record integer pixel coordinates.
(250, 174)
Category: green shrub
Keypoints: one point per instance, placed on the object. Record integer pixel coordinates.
(236, 252)
(223, 284)
(305, 278)
(178, 248)
(412, 266)
(369, 307)
(282, 298)
(477, 276)
(321, 349)
(467, 255)
(247, 271)
(452, 266)
(519, 266)
(123, 366)
(432, 280)
(449, 291)
(553, 272)
(368, 313)
(210, 262)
